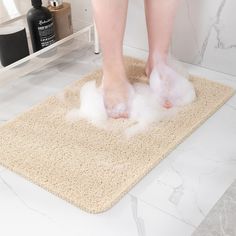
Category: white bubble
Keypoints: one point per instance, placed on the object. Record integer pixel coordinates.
(145, 103)
(171, 86)
(91, 105)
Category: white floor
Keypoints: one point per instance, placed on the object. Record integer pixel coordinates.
(171, 201)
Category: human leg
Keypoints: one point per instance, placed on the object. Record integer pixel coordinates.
(160, 15)
(110, 17)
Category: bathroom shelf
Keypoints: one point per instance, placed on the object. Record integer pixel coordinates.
(49, 54)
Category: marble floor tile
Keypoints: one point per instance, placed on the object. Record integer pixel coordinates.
(172, 200)
(2, 168)
(221, 219)
(180, 184)
(195, 175)
(49, 214)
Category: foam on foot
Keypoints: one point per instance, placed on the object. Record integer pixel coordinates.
(171, 88)
(145, 109)
(116, 96)
(91, 108)
(145, 104)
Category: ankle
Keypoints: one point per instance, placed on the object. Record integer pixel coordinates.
(114, 73)
(113, 62)
(156, 60)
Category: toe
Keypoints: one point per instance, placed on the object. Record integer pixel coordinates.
(117, 114)
(167, 104)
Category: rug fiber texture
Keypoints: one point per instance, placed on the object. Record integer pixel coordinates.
(90, 167)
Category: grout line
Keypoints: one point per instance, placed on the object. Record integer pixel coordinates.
(163, 211)
(186, 62)
(139, 221)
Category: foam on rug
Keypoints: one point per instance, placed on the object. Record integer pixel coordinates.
(90, 167)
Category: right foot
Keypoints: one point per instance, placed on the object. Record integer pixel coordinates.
(171, 88)
(116, 94)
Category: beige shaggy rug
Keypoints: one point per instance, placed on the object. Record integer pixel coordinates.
(90, 167)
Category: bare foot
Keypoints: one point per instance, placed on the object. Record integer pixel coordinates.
(116, 94)
(171, 88)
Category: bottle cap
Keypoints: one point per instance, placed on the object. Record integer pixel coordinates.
(36, 3)
(56, 3)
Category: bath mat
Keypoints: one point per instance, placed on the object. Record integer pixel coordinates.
(90, 167)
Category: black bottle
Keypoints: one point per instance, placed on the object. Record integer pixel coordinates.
(41, 26)
(13, 44)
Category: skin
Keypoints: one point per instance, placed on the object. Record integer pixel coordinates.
(110, 17)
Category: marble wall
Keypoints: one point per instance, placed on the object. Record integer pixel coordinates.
(204, 33)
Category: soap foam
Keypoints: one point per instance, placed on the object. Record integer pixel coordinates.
(91, 106)
(169, 85)
(145, 104)
(145, 109)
